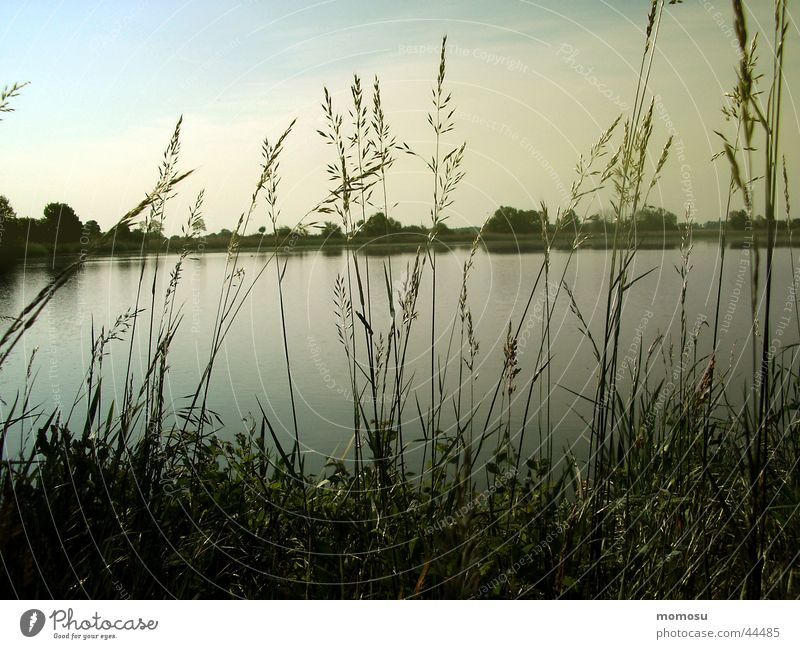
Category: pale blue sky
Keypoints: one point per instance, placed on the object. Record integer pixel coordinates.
(109, 79)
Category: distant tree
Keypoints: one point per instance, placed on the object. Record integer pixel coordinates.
(331, 230)
(61, 223)
(512, 220)
(415, 229)
(122, 232)
(92, 229)
(284, 231)
(8, 218)
(595, 223)
(13, 231)
(6, 211)
(738, 219)
(379, 225)
(656, 218)
(155, 228)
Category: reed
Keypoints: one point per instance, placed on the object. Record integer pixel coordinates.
(687, 491)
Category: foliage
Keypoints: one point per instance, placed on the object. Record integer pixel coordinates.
(60, 223)
(514, 221)
(684, 494)
(92, 229)
(6, 211)
(379, 225)
(656, 219)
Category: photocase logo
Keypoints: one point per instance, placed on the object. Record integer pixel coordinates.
(31, 622)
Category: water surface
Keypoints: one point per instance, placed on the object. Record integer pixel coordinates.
(252, 368)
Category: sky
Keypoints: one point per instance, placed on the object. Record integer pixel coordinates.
(534, 84)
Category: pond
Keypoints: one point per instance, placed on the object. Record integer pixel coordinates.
(251, 367)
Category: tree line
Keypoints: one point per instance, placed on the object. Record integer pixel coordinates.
(510, 220)
(60, 228)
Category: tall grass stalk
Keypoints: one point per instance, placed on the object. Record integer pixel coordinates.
(685, 492)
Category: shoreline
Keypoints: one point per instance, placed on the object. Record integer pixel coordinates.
(402, 243)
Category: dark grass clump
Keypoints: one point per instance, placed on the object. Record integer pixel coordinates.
(685, 494)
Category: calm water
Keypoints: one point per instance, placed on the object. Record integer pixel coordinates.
(252, 366)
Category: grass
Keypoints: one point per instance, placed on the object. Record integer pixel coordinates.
(688, 492)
